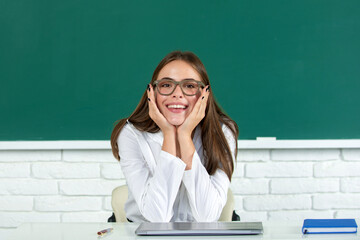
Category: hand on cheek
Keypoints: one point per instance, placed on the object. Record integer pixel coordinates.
(196, 115)
(156, 115)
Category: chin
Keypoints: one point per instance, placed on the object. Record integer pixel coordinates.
(176, 122)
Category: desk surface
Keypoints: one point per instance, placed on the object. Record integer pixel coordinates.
(123, 231)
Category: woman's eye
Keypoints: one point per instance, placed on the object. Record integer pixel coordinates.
(189, 86)
(165, 85)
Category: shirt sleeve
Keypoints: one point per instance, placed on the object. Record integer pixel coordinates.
(154, 192)
(207, 194)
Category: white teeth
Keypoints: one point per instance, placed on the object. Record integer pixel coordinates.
(176, 106)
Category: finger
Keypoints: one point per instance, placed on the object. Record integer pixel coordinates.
(151, 97)
(150, 92)
(204, 97)
(153, 109)
(198, 103)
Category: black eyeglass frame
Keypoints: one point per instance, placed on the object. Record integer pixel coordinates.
(199, 83)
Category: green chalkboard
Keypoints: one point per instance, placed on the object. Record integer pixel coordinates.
(287, 69)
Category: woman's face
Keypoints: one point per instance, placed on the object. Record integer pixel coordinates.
(176, 107)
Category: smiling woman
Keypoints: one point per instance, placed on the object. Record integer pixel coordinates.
(177, 148)
(176, 104)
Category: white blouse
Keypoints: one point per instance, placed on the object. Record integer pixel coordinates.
(160, 190)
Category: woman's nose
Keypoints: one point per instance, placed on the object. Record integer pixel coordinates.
(177, 92)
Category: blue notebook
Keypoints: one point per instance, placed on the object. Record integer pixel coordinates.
(329, 226)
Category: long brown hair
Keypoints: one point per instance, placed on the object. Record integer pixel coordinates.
(215, 146)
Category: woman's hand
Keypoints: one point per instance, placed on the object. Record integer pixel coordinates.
(168, 130)
(196, 115)
(156, 115)
(184, 131)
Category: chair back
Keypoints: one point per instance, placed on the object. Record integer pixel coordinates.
(227, 212)
(120, 195)
(118, 200)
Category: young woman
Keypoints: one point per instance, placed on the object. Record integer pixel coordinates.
(177, 149)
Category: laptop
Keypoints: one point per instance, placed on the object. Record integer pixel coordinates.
(199, 228)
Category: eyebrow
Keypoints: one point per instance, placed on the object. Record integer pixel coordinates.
(168, 78)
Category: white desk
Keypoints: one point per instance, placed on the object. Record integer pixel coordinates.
(125, 231)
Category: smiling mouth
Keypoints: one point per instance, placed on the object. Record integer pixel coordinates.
(176, 106)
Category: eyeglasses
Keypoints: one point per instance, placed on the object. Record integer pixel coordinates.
(189, 87)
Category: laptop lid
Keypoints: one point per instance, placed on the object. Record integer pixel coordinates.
(199, 228)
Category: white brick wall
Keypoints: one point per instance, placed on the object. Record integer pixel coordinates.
(293, 184)
(268, 184)
(56, 186)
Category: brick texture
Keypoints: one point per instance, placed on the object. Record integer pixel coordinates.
(299, 215)
(16, 203)
(88, 187)
(14, 170)
(67, 204)
(66, 170)
(278, 202)
(305, 155)
(351, 154)
(304, 185)
(274, 169)
(351, 185)
(28, 187)
(253, 155)
(336, 201)
(30, 155)
(337, 169)
(281, 184)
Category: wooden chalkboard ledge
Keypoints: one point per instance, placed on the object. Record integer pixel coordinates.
(242, 144)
